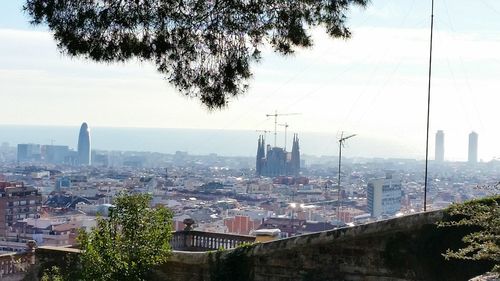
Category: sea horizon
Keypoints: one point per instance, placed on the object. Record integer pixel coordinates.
(198, 141)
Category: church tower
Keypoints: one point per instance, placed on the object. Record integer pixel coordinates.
(259, 161)
(295, 159)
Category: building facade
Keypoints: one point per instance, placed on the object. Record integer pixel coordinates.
(242, 225)
(17, 202)
(384, 196)
(473, 140)
(56, 154)
(28, 152)
(84, 156)
(276, 161)
(439, 150)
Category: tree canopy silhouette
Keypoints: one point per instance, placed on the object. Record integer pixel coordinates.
(203, 47)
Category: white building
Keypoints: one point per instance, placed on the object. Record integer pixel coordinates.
(439, 149)
(473, 137)
(384, 196)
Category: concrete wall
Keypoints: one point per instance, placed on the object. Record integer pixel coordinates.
(407, 248)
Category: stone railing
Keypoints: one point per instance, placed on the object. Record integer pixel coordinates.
(15, 264)
(406, 249)
(190, 240)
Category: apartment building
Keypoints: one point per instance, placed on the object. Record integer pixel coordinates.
(17, 202)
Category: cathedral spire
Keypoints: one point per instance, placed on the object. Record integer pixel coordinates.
(295, 159)
(260, 156)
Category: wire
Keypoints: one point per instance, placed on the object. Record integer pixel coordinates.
(465, 72)
(490, 7)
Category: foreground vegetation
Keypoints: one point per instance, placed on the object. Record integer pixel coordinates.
(483, 243)
(125, 246)
(135, 240)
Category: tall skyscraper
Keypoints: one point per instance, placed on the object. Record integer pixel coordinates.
(473, 138)
(84, 157)
(439, 153)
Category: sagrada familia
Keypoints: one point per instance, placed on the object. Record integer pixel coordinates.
(276, 161)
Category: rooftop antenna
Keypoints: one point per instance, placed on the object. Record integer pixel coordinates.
(341, 144)
(428, 108)
(286, 129)
(275, 115)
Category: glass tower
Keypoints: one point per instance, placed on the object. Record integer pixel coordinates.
(84, 145)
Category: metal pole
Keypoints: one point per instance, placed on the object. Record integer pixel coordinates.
(428, 109)
(286, 128)
(340, 162)
(275, 126)
(293, 209)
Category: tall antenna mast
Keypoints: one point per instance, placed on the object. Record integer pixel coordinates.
(286, 129)
(428, 109)
(341, 144)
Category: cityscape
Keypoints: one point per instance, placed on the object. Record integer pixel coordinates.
(249, 140)
(54, 191)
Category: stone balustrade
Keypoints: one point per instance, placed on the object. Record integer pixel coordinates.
(407, 249)
(207, 241)
(15, 264)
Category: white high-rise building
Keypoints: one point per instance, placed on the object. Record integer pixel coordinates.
(439, 156)
(384, 196)
(473, 139)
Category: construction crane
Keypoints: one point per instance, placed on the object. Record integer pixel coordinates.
(341, 144)
(275, 115)
(286, 129)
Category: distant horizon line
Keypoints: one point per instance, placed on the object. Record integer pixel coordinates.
(179, 128)
(250, 156)
(326, 140)
(133, 127)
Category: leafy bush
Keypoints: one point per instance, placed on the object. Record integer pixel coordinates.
(484, 242)
(128, 244)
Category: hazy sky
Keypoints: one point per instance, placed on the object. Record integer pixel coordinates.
(374, 84)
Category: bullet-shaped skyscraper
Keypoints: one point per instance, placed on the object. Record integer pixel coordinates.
(473, 138)
(439, 153)
(84, 145)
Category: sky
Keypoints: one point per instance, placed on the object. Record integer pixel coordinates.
(373, 85)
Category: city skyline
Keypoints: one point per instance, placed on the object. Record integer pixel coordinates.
(224, 143)
(379, 93)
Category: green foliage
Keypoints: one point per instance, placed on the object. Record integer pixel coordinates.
(484, 243)
(232, 265)
(246, 245)
(129, 243)
(204, 47)
(52, 274)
